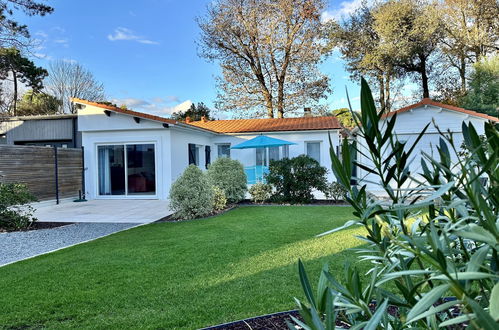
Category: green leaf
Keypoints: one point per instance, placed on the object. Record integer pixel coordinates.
(456, 320)
(307, 289)
(434, 310)
(346, 225)
(462, 276)
(428, 300)
(482, 317)
(376, 318)
(478, 233)
(494, 302)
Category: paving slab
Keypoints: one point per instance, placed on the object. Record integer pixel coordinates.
(103, 211)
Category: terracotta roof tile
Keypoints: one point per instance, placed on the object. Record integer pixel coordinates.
(236, 125)
(427, 101)
(269, 125)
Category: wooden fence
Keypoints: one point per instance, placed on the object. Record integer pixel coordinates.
(50, 173)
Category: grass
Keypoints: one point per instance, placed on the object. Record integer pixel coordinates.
(178, 275)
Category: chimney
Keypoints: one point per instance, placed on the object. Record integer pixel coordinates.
(307, 112)
(187, 119)
(203, 119)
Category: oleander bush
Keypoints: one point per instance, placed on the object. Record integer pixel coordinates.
(191, 195)
(228, 174)
(293, 180)
(436, 245)
(260, 192)
(219, 199)
(15, 211)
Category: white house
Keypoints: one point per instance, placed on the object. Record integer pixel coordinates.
(133, 155)
(412, 119)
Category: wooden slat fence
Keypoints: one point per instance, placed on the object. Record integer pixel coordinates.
(35, 166)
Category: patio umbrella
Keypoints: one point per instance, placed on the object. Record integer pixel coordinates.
(262, 141)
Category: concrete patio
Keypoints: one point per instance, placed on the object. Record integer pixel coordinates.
(104, 211)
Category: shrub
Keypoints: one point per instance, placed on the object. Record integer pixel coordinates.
(191, 195)
(260, 192)
(15, 211)
(444, 242)
(294, 179)
(335, 191)
(219, 199)
(228, 174)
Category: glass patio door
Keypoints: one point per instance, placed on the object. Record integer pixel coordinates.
(126, 170)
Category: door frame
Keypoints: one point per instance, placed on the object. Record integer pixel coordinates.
(126, 195)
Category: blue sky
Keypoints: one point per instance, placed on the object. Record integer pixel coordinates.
(145, 51)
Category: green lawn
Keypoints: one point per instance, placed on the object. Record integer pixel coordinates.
(178, 275)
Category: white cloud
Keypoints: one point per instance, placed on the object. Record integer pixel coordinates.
(122, 33)
(61, 41)
(43, 56)
(69, 60)
(344, 9)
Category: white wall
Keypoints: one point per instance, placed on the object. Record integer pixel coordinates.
(408, 126)
(171, 151)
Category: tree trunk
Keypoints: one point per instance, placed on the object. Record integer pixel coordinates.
(424, 77)
(280, 100)
(462, 74)
(381, 93)
(268, 103)
(14, 77)
(388, 101)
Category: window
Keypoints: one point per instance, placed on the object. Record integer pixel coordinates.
(274, 153)
(261, 157)
(126, 169)
(223, 150)
(207, 156)
(314, 150)
(193, 154)
(285, 151)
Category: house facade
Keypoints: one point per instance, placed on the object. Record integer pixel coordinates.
(410, 123)
(133, 155)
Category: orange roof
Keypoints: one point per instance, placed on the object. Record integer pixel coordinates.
(428, 101)
(125, 111)
(236, 125)
(269, 125)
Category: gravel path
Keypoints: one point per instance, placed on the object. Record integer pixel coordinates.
(17, 246)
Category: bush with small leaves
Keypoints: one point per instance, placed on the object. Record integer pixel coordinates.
(228, 174)
(191, 195)
(295, 179)
(260, 192)
(219, 199)
(335, 191)
(15, 211)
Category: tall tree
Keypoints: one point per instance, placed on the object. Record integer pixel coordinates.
(37, 103)
(483, 93)
(69, 79)
(269, 52)
(12, 33)
(471, 32)
(21, 70)
(194, 113)
(360, 46)
(410, 32)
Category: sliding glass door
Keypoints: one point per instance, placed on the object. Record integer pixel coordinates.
(126, 170)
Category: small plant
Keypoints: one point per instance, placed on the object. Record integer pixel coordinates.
(191, 195)
(219, 199)
(260, 192)
(15, 211)
(228, 174)
(335, 191)
(295, 179)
